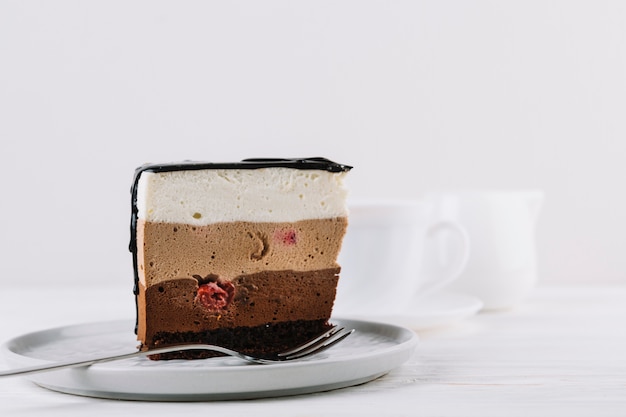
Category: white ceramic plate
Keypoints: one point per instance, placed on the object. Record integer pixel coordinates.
(436, 310)
(372, 350)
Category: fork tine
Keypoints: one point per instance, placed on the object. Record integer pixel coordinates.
(321, 345)
(316, 340)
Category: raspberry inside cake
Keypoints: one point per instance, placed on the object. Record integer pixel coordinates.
(242, 255)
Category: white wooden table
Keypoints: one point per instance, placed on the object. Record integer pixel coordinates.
(562, 353)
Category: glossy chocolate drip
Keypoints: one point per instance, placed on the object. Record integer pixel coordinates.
(315, 163)
(322, 164)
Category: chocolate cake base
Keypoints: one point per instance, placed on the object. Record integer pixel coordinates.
(259, 341)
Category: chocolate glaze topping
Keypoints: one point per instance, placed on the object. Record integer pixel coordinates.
(315, 163)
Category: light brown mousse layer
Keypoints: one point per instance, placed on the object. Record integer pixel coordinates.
(168, 251)
(266, 297)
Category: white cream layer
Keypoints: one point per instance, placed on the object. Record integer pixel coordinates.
(202, 197)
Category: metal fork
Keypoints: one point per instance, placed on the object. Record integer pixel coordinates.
(318, 344)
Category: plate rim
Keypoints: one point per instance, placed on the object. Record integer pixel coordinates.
(405, 343)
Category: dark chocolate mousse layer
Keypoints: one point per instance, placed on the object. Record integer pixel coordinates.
(201, 304)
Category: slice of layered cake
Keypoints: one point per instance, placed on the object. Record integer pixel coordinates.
(242, 255)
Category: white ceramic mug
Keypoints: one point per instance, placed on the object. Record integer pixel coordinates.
(501, 224)
(394, 252)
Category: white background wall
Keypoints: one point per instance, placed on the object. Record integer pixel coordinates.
(417, 95)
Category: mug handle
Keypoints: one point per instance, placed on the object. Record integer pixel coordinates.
(438, 268)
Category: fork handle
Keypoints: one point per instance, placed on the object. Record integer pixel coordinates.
(69, 364)
(86, 362)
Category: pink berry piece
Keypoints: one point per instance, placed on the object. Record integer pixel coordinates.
(214, 296)
(286, 237)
